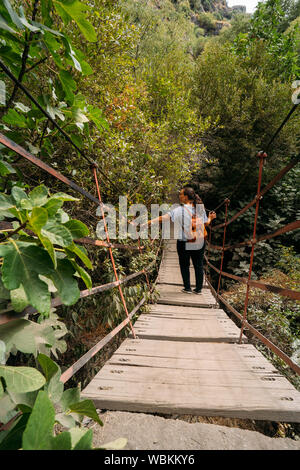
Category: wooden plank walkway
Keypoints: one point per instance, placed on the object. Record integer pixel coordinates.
(186, 360)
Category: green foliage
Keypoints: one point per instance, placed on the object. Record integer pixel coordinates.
(280, 49)
(37, 50)
(240, 24)
(289, 263)
(49, 251)
(206, 21)
(30, 337)
(29, 396)
(275, 316)
(249, 106)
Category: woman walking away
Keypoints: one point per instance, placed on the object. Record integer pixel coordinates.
(189, 222)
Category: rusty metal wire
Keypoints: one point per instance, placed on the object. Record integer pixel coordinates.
(65, 135)
(256, 333)
(292, 294)
(261, 194)
(267, 236)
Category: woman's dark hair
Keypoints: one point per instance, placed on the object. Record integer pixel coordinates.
(192, 195)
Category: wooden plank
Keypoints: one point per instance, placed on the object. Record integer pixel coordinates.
(201, 377)
(204, 363)
(237, 402)
(193, 355)
(179, 329)
(187, 312)
(172, 295)
(196, 351)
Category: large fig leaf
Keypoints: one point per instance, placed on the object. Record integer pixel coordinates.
(20, 261)
(26, 336)
(38, 434)
(65, 283)
(57, 234)
(22, 379)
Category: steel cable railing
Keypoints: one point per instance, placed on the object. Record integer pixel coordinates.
(295, 295)
(56, 301)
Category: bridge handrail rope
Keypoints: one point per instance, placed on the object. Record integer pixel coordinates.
(267, 147)
(252, 242)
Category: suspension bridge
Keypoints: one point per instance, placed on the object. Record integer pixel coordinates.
(186, 359)
(185, 356)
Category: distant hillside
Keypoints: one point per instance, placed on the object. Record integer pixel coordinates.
(218, 7)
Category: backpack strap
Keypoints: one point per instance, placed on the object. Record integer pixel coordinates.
(191, 240)
(194, 216)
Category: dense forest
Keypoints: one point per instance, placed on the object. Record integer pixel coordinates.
(159, 94)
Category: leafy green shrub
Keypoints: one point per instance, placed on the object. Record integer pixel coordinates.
(206, 21)
(275, 316)
(43, 260)
(32, 404)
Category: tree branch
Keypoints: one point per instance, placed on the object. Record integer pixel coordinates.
(28, 39)
(36, 64)
(14, 232)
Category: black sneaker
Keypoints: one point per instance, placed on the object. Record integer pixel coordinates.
(197, 291)
(187, 291)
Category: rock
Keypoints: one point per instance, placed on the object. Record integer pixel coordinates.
(148, 432)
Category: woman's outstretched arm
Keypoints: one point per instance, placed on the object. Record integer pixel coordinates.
(158, 219)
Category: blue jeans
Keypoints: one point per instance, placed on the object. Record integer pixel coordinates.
(184, 263)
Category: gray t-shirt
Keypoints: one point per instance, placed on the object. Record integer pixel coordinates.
(182, 218)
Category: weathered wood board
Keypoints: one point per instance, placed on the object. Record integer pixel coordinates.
(186, 327)
(172, 295)
(212, 379)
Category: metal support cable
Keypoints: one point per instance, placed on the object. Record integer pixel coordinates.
(66, 136)
(281, 126)
(94, 168)
(227, 201)
(267, 147)
(276, 178)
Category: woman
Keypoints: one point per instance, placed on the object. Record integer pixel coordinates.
(184, 217)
